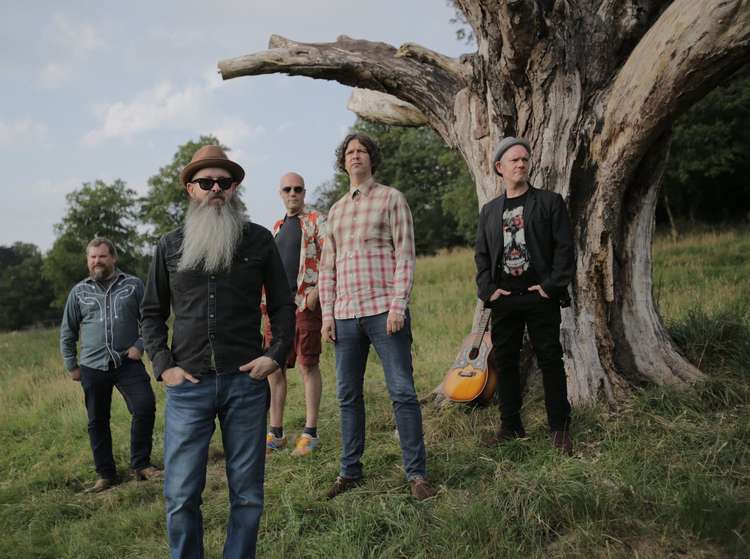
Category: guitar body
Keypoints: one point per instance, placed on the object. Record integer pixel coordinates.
(472, 377)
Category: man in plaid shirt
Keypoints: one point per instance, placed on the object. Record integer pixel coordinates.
(366, 276)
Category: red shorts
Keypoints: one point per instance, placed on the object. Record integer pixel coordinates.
(307, 346)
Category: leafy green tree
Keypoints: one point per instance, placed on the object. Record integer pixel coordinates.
(26, 294)
(96, 209)
(706, 178)
(433, 178)
(166, 202)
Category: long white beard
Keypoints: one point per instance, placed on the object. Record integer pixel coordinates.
(211, 235)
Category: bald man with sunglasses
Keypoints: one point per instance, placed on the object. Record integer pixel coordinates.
(299, 238)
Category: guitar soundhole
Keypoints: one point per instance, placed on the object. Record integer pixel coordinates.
(474, 353)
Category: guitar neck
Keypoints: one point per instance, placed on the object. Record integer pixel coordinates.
(480, 327)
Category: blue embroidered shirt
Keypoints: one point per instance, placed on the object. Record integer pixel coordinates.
(106, 319)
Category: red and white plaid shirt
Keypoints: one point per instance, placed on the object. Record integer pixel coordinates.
(367, 265)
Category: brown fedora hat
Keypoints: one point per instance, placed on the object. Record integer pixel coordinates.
(211, 156)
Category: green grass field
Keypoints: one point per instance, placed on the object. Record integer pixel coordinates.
(663, 474)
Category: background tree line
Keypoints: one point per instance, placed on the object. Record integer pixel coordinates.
(706, 182)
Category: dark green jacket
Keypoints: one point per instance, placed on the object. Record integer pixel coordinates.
(549, 239)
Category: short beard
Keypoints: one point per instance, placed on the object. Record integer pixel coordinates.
(211, 235)
(101, 274)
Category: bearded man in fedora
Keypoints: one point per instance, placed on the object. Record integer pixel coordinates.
(210, 274)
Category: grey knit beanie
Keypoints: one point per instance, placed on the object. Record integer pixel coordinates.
(504, 145)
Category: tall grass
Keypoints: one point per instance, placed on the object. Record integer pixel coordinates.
(665, 474)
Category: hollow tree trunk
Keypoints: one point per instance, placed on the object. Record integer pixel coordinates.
(594, 87)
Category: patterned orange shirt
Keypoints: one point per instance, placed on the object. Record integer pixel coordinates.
(313, 232)
(367, 267)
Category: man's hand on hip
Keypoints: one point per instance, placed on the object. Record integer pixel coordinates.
(260, 367)
(328, 331)
(394, 323)
(75, 374)
(177, 375)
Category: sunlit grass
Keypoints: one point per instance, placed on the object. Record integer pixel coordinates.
(665, 474)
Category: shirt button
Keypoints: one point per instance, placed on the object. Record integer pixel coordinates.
(213, 277)
(210, 316)
(211, 296)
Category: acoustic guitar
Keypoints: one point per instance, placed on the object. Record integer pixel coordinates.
(473, 376)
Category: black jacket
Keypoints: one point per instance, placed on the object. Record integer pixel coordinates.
(549, 239)
(216, 313)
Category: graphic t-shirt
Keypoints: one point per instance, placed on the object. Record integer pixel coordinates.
(288, 241)
(516, 271)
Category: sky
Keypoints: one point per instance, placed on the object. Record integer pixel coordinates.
(107, 90)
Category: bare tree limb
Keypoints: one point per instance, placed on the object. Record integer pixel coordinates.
(384, 108)
(424, 78)
(681, 58)
(428, 56)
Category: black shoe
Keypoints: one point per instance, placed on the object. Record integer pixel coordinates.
(503, 435)
(342, 484)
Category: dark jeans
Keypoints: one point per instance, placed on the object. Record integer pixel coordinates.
(542, 318)
(353, 339)
(240, 403)
(133, 382)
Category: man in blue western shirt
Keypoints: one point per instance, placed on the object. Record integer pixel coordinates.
(104, 311)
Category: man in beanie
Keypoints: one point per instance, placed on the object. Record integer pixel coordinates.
(525, 261)
(210, 274)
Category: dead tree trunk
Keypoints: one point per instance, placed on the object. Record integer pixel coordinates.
(594, 87)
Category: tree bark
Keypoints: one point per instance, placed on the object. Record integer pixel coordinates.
(594, 87)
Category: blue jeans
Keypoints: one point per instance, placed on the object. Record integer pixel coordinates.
(353, 339)
(240, 404)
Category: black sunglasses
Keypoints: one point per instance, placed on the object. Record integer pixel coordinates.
(207, 184)
(297, 189)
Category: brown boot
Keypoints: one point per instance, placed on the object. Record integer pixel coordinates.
(561, 441)
(503, 435)
(149, 472)
(342, 484)
(102, 484)
(421, 489)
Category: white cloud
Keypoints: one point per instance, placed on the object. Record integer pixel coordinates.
(164, 107)
(23, 132)
(72, 43)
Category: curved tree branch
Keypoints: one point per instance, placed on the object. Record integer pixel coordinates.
(426, 79)
(384, 108)
(692, 47)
